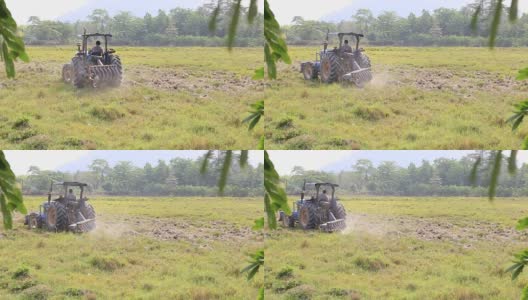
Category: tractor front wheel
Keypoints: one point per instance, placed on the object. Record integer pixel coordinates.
(33, 221)
(308, 216)
(309, 71)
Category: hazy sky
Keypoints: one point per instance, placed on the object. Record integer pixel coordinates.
(284, 161)
(53, 9)
(48, 9)
(20, 161)
(285, 10)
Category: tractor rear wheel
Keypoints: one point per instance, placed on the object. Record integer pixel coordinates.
(56, 217)
(80, 74)
(309, 71)
(361, 78)
(118, 76)
(330, 67)
(308, 216)
(339, 211)
(67, 73)
(88, 212)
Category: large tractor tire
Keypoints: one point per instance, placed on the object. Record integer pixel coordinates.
(308, 217)
(362, 78)
(56, 217)
(67, 73)
(118, 76)
(80, 72)
(330, 67)
(309, 71)
(89, 213)
(339, 211)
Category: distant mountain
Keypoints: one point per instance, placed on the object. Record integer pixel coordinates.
(136, 7)
(402, 158)
(402, 8)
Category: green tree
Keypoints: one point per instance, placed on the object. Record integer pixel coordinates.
(100, 18)
(100, 168)
(10, 194)
(11, 45)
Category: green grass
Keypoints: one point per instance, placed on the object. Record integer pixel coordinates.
(420, 98)
(157, 248)
(379, 257)
(171, 98)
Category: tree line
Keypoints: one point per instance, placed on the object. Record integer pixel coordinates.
(177, 27)
(441, 177)
(178, 177)
(441, 27)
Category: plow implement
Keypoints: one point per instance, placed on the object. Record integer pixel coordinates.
(359, 77)
(333, 225)
(86, 225)
(104, 75)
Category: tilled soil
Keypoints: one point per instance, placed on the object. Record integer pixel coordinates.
(174, 229)
(465, 83)
(434, 229)
(461, 82)
(199, 83)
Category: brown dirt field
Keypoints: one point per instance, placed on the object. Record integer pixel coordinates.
(434, 229)
(196, 232)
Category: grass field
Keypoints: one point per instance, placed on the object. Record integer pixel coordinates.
(403, 248)
(160, 248)
(420, 98)
(171, 98)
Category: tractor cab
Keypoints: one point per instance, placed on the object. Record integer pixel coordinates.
(66, 209)
(76, 197)
(343, 35)
(100, 58)
(315, 190)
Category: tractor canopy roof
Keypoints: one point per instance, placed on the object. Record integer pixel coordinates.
(316, 184)
(342, 34)
(71, 183)
(87, 35)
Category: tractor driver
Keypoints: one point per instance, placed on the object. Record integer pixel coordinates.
(346, 47)
(71, 196)
(323, 196)
(97, 50)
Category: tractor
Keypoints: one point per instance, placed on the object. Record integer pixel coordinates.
(341, 64)
(66, 212)
(319, 211)
(89, 68)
